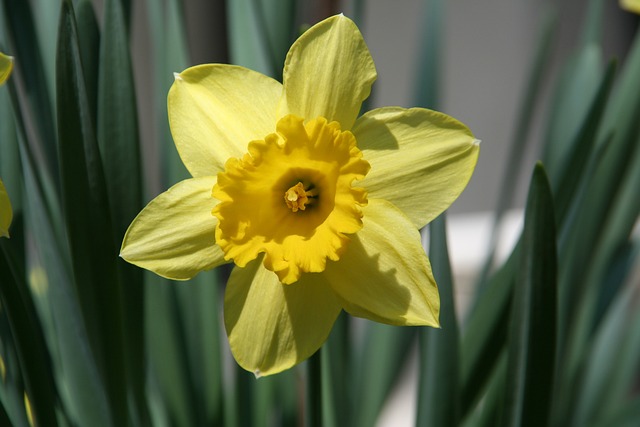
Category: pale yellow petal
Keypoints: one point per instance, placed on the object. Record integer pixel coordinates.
(174, 235)
(6, 65)
(421, 160)
(215, 110)
(385, 275)
(6, 212)
(631, 5)
(271, 326)
(328, 72)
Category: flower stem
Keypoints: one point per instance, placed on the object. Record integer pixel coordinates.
(313, 414)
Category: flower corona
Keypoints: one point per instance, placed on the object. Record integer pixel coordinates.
(279, 177)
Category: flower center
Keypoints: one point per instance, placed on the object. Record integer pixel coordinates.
(312, 167)
(297, 197)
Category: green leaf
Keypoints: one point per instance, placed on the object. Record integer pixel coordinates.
(81, 388)
(34, 104)
(167, 351)
(438, 386)
(384, 353)
(611, 362)
(12, 385)
(247, 45)
(532, 334)
(337, 385)
(590, 239)
(274, 21)
(573, 95)
(485, 334)
(183, 342)
(626, 416)
(592, 31)
(46, 13)
(117, 122)
(170, 55)
(89, 41)
(428, 82)
(28, 337)
(200, 307)
(573, 167)
(117, 136)
(313, 413)
(491, 411)
(86, 208)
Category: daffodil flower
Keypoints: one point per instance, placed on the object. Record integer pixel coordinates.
(6, 65)
(6, 213)
(631, 5)
(318, 209)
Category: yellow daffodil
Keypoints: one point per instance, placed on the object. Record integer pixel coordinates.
(631, 5)
(318, 209)
(6, 65)
(6, 213)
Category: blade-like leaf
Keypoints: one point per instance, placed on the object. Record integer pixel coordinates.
(615, 347)
(428, 81)
(28, 336)
(86, 211)
(247, 47)
(485, 333)
(35, 102)
(604, 190)
(572, 170)
(117, 122)
(313, 392)
(81, 388)
(384, 353)
(117, 127)
(200, 308)
(337, 385)
(438, 393)
(89, 41)
(274, 21)
(491, 411)
(572, 97)
(532, 334)
(12, 385)
(167, 352)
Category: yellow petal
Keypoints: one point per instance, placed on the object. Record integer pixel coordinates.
(421, 160)
(631, 5)
(174, 235)
(215, 110)
(6, 213)
(328, 72)
(6, 65)
(385, 275)
(271, 326)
